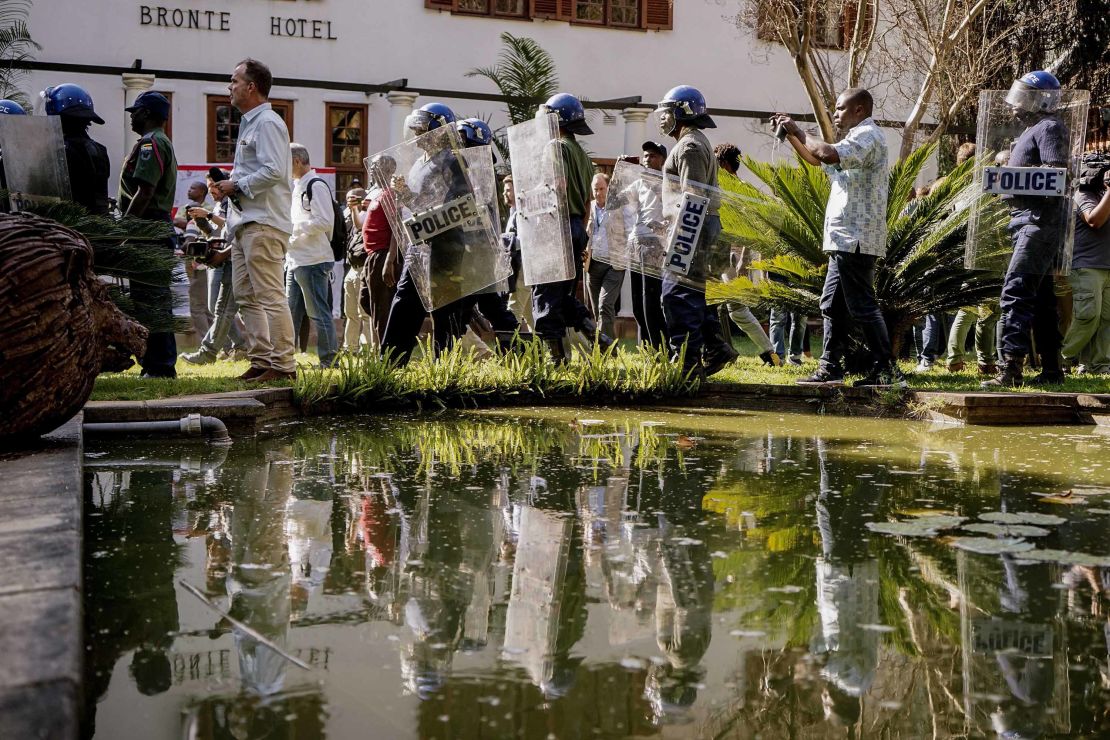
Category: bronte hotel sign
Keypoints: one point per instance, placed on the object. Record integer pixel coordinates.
(199, 19)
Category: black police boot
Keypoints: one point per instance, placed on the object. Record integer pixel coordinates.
(589, 328)
(1051, 372)
(718, 356)
(558, 352)
(1009, 377)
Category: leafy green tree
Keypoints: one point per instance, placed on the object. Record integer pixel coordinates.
(923, 271)
(524, 73)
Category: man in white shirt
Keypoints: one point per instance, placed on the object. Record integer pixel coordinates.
(855, 237)
(310, 261)
(199, 311)
(259, 224)
(603, 281)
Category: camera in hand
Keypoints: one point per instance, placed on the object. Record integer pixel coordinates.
(1092, 172)
(200, 250)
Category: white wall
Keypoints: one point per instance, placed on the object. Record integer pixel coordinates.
(382, 40)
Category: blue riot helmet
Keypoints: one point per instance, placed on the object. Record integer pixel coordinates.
(71, 101)
(429, 117)
(475, 132)
(11, 108)
(683, 105)
(1036, 92)
(572, 116)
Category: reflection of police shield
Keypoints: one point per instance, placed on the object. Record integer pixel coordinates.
(543, 222)
(673, 230)
(451, 246)
(1028, 151)
(34, 161)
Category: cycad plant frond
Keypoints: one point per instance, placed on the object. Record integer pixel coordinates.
(524, 73)
(923, 271)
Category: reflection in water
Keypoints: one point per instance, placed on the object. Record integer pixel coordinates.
(551, 577)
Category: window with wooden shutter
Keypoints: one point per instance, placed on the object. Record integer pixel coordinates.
(557, 9)
(659, 14)
(440, 4)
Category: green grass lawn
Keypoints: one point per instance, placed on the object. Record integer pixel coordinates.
(222, 376)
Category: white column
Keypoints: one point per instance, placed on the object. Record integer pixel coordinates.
(400, 106)
(134, 83)
(635, 129)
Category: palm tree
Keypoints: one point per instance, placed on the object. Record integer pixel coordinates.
(16, 47)
(923, 271)
(525, 74)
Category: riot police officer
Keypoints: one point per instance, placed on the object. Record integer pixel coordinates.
(682, 116)
(493, 305)
(146, 190)
(1037, 228)
(555, 306)
(86, 159)
(406, 313)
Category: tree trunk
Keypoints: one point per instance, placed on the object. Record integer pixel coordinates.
(61, 328)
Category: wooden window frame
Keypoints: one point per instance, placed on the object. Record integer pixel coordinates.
(650, 13)
(844, 27)
(329, 158)
(212, 101)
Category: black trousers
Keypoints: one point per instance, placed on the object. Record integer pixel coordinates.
(647, 307)
(849, 296)
(555, 306)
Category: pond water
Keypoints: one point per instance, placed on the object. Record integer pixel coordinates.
(563, 574)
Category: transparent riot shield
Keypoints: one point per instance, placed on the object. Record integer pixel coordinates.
(451, 246)
(33, 160)
(543, 222)
(668, 228)
(1028, 148)
(479, 162)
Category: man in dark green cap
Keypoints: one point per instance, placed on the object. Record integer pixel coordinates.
(147, 186)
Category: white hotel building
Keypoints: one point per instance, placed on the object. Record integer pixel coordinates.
(347, 72)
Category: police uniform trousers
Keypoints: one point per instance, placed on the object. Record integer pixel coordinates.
(689, 320)
(407, 312)
(160, 357)
(1029, 299)
(555, 306)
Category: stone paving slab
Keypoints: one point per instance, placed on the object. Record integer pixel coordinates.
(242, 411)
(40, 587)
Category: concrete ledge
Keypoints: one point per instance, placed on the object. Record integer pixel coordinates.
(42, 639)
(244, 412)
(1004, 409)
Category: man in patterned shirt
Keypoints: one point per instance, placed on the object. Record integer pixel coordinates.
(855, 237)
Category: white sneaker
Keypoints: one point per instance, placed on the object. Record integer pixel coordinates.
(924, 366)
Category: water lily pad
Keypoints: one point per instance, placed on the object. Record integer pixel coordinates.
(1067, 557)
(925, 526)
(1006, 530)
(1022, 517)
(991, 545)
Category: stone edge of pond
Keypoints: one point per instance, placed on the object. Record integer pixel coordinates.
(246, 412)
(41, 538)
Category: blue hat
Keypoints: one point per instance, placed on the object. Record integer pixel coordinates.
(11, 108)
(155, 102)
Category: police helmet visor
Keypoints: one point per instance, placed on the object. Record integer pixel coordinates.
(666, 118)
(1023, 97)
(419, 121)
(578, 127)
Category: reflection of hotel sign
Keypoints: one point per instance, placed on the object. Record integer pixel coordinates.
(994, 635)
(209, 664)
(196, 19)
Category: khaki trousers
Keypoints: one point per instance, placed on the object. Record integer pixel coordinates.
(258, 267)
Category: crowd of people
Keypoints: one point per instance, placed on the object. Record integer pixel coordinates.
(271, 252)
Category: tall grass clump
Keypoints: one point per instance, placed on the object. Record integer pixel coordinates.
(457, 378)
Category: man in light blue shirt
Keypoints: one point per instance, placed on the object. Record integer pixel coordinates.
(854, 237)
(260, 224)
